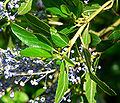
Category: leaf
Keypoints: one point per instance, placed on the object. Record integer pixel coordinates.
(57, 11)
(64, 9)
(68, 30)
(35, 52)
(43, 39)
(75, 7)
(86, 37)
(100, 83)
(94, 40)
(58, 39)
(69, 61)
(104, 45)
(38, 92)
(90, 9)
(28, 38)
(21, 97)
(90, 89)
(38, 25)
(115, 36)
(62, 83)
(25, 7)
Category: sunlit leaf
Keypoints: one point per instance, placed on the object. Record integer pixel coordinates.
(62, 83)
(28, 38)
(86, 37)
(69, 61)
(25, 7)
(35, 52)
(58, 39)
(90, 89)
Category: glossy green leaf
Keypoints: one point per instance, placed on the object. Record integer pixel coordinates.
(37, 25)
(86, 37)
(65, 9)
(90, 89)
(100, 83)
(43, 39)
(28, 38)
(38, 92)
(115, 36)
(62, 83)
(94, 40)
(104, 45)
(57, 11)
(59, 39)
(35, 52)
(90, 9)
(25, 7)
(68, 30)
(21, 97)
(69, 61)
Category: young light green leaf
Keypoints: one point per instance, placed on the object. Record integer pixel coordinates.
(38, 25)
(28, 38)
(25, 7)
(100, 83)
(62, 83)
(64, 9)
(90, 89)
(35, 52)
(69, 61)
(115, 36)
(94, 40)
(58, 39)
(38, 93)
(57, 11)
(86, 37)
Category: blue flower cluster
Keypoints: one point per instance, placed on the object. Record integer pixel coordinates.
(17, 70)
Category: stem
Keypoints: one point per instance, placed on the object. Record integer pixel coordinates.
(38, 73)
(99, 10)
(6, 3)
(111, 27)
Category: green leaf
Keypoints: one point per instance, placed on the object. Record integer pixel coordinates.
(28, 38)
(59, 39)
(43, 39)
(57, 11)
(90, 89)
(35, 52)
(75, 7)
(21, 97)
(25, 7)
(69, 61)
(38, 92)
(90, 9)
(86, 37)
(104, 45)
(100, 83)
(38, 25)
(115, 36)
(94, 40)
(64, 9)
(62, 83)
(68, 30)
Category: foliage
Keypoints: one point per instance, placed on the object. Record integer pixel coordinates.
(56, 42)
